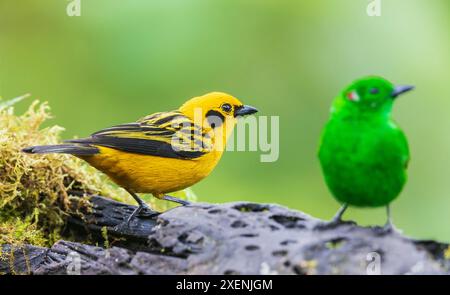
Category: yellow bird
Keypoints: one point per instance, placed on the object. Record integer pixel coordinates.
(163, 152)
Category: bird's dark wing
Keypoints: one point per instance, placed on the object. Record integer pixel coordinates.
(168, 134)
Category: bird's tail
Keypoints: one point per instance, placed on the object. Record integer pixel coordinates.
(73, 149)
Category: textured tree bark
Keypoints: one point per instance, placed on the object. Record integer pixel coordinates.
(232, 238)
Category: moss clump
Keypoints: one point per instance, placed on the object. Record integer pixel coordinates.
(447, 253)
(105, 237)
(18, 232)
(35, 189)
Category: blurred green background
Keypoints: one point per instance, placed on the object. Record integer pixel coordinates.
(121, 60)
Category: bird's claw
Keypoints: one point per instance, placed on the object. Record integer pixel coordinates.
(389, 228)
(121, 227)
(333, 223)
(143, 209)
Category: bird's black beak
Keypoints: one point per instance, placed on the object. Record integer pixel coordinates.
(244, 111)
(401, 89)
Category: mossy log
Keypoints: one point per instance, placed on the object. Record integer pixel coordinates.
(232, 238)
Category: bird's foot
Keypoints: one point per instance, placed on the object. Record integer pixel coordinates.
(389, 228)
(143, 209)
(337, 219)
(333, 223)
(122, 227)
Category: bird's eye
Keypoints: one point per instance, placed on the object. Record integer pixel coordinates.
(374, 91)
(226, 107)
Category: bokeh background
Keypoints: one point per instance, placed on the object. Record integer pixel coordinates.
(121, 60)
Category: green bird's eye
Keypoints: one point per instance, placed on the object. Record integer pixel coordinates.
(374, 91)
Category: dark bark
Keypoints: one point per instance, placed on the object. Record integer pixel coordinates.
(233, 238)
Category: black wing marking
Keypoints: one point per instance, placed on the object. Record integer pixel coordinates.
(155, 135)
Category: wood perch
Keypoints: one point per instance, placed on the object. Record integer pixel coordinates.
(232, 238)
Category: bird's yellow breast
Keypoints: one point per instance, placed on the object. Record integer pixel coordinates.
(150, 174)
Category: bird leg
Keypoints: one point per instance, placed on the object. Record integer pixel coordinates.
(176, 200)
(338, 217)
(389, 226)
(132, 215)
(142, 205)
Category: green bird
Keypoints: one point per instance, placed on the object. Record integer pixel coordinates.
(363, 153)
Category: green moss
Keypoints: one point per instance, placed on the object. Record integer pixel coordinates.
(17, 232)
(35, 189)
(34, 198)
(105, 237)
(447, 253)
(335, 244)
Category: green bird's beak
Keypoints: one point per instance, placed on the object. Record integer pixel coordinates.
(244, 110)
(401, 89)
